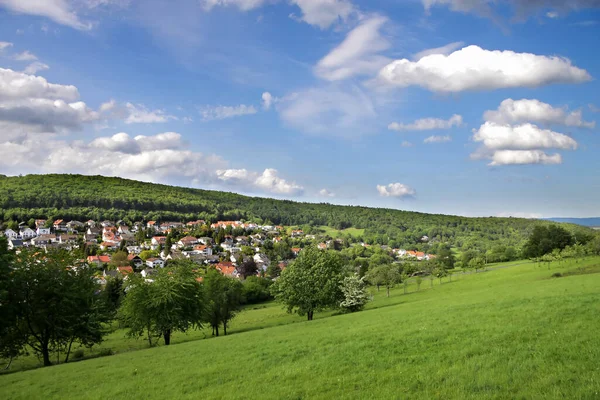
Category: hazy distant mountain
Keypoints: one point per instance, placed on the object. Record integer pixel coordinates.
(594, 222)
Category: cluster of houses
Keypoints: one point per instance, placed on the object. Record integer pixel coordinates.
(110, 236)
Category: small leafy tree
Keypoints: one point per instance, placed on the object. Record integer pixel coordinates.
(355, 293)
(385, 275)
(311, 283)
(418, 280)
(172, 303)
(224, 297)
(404, 279)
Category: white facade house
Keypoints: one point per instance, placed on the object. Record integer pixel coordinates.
(27, 233)
(10, 234)
(155, 263)
(42, 231)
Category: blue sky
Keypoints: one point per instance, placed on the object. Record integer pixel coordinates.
(443, 106)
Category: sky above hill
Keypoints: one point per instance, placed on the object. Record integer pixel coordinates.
(469, 107)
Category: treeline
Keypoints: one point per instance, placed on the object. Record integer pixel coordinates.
(95, 197)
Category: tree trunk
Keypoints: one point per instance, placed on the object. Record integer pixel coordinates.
(46, 355)
(431, 282)
(167, 336)
(9, 363)
(217, 329)
(149, 338)
(310, 315)
(224, 328)
(378, 288)
(388, 291)
(69, 350)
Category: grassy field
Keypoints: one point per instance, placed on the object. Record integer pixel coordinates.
(327, 230)
(512, 332)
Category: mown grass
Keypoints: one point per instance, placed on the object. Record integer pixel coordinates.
(327, 230)
(506, 333)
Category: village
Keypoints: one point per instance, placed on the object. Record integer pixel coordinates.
(117, 249)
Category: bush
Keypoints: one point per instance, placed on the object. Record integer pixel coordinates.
(556, 275)
(256, 290)
(78, 354)
(105, 352)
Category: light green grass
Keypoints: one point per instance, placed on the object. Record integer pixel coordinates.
(508, 333)
(355, 232)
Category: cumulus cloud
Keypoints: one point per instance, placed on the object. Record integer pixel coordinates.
(521, 137)
(59, 11)
(35, 67)
(122, 142)
(444, 50)
(18, 85)
(223, 112)
(267, 181)
(522, 157)
(396, 190)
(426, 124)
(332, 110)
(31, 105)
(437, 139)
(357, 54)
(268, 100)
(473, 68)
(326, 193)
(530, 110)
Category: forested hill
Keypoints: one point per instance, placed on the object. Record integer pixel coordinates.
(83, 197)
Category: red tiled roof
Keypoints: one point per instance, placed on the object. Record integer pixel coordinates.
(125, 270)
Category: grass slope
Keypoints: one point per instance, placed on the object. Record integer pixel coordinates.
(509, 333)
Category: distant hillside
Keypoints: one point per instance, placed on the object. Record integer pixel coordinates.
(82, 197)
(591, 222)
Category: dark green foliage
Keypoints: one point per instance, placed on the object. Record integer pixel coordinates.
(248, 268)
(224, 297)
(256, 290)
(544, 239)
(172, 303)
(56, 305)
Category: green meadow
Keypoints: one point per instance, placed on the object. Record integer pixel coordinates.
(515, 332)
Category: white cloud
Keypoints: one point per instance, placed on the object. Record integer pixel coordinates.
(18, 85)
(35, 67)
(426, 124)
(321, 13)
(59, 11)
(5, 45)
(406, 144)
(552, 14)
(594, 108)
(31, 105)
(357, 54)
(324, 13)
(331, 110)
(396, 190)
(326, 193)
(267, 100)
(518, 111)
(521, 137)
(267, 181)
(522, 157)
(139, 114)
(243, 5)
(122, 142)
(473, 68)
(222, 112)
(437, 139)
(444, 50)
(24, 56)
